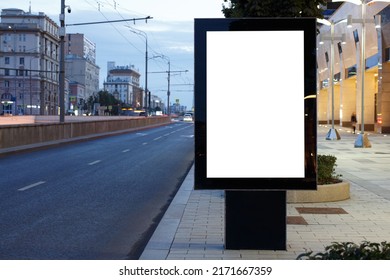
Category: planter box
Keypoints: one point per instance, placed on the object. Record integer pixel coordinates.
(324, 193)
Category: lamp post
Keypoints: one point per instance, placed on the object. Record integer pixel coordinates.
(169, 79)
(333, 133)
(362, 138)
(62, 62)
(169, 83)
(143, 34)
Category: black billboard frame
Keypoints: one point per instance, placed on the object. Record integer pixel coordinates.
(309, 181)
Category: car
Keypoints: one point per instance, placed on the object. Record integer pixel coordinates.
(187, 118)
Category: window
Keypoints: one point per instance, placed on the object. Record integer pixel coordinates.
(6, 72)
(22, 37)
(21, 60)
(340, 48)
(356, 36)
(6, 84)
(6, 60)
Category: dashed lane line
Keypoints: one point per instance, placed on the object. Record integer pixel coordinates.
(94, 162)
(31, 186)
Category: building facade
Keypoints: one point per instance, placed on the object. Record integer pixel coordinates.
(77, 99)
(29, 63)
(366, 93)
(156, 104)
(80, 66)
(123, 82)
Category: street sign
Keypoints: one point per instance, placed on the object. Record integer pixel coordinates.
(255, 102)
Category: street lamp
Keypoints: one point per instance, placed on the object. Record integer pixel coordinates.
(333, 133)
(62, 34)
(169, 82)
(143, 34)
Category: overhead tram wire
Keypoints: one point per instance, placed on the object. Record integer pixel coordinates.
(116, 6)
(116, 29)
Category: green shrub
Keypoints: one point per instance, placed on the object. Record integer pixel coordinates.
(351, 251)
(326, 170)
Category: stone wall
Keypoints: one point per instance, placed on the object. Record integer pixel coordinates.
(14, 135)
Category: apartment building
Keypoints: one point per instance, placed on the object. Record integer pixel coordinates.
(123, 82)
(80, 67)
(29, 63)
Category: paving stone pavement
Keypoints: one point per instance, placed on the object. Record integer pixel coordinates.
(193, 226)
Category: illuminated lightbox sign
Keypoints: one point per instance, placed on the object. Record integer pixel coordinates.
(255, 105)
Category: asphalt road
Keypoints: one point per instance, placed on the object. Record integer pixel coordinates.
(98, 199)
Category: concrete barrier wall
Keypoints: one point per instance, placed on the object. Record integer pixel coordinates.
(25, 134)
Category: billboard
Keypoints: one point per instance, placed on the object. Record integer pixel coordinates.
(255, 103)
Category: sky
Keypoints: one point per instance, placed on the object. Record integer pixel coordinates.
(169, 33)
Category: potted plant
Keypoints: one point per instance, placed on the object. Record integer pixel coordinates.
(326, 170)
(330, 186)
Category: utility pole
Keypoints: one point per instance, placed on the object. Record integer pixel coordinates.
(62, 62)
(169, 82)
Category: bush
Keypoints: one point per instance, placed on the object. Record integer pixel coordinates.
(326, 170)
(351, 251)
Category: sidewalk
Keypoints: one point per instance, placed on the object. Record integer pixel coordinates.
(193, 226)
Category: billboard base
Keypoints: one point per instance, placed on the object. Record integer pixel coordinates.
(255, 220)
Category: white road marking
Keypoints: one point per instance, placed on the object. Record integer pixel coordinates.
(145, 143)
(31, 186)
(125, 151)
(187, 136)
(94, 162)
(141, 134)
(157, 138)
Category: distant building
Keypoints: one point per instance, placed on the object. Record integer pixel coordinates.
(29, 63)
(176, 108)
(156, 103)
(123, 81)
(80, 65)
(80, 46)
(77, 99)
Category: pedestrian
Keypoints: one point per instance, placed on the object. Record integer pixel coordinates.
(353, 122)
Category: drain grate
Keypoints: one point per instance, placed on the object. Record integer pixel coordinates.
(296, 220)
(320, 210)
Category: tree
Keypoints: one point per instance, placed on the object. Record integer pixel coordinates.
(107, 99)
(273, 8)
(104, 98)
